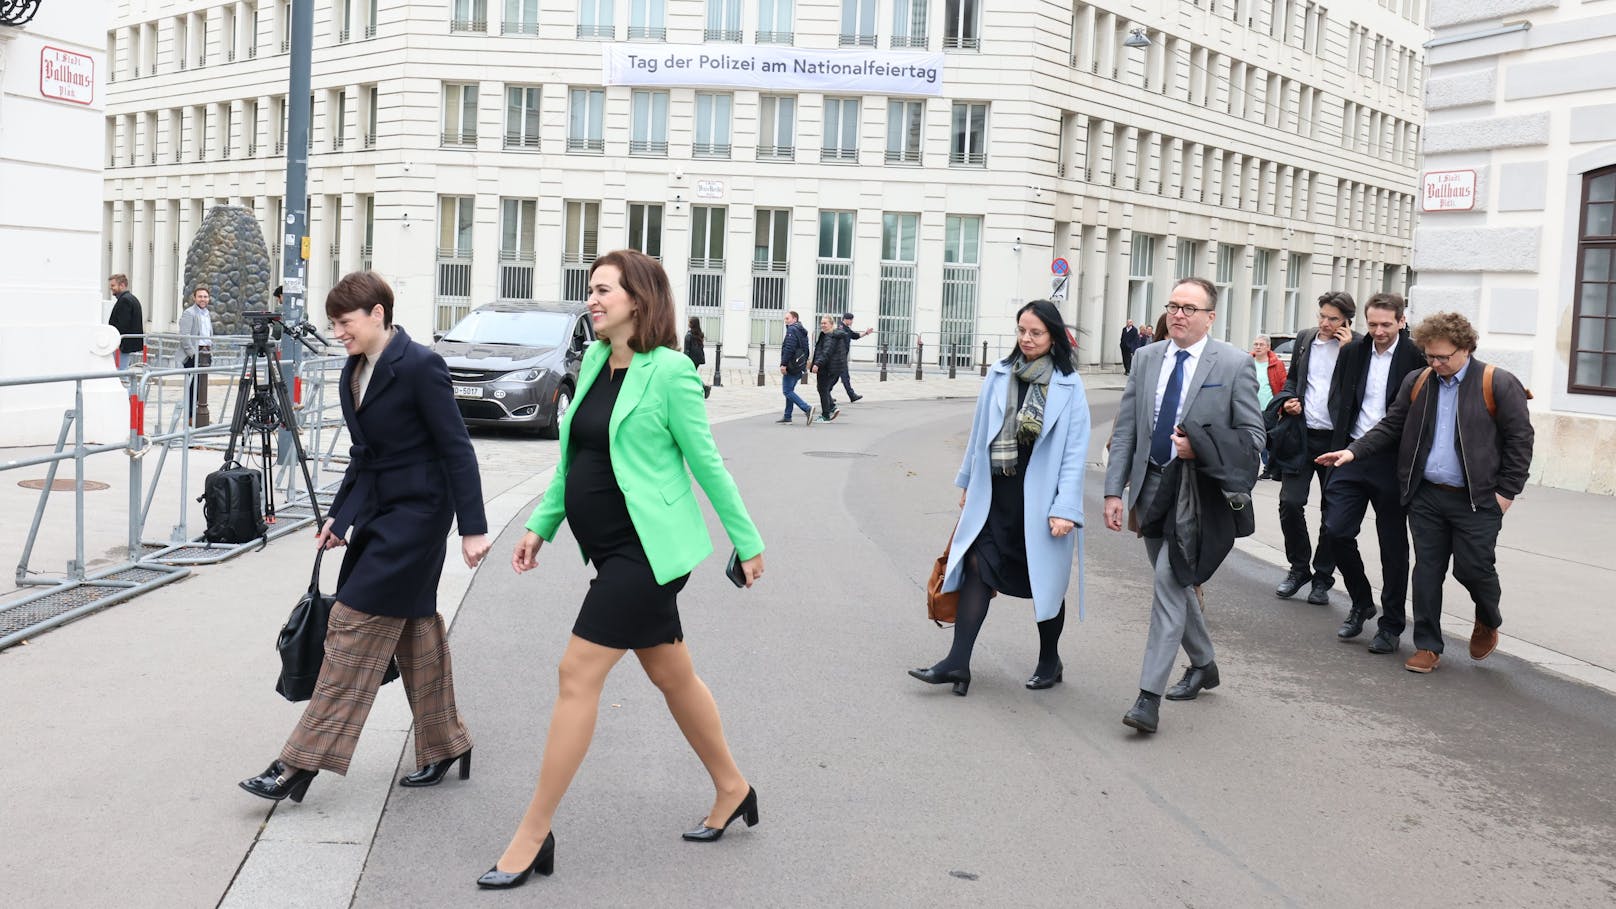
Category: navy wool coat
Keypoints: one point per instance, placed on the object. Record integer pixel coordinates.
(412, 471)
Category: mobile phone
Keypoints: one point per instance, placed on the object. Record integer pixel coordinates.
(733, 569)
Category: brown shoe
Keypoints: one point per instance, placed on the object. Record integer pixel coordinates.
(1423, 661)
(1482, 641)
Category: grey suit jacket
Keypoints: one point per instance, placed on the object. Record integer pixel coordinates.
(191, 329)
(1223, 392)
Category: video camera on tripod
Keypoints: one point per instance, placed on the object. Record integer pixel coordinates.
(267, 326)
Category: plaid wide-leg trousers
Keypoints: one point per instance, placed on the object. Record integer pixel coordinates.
(358, 647)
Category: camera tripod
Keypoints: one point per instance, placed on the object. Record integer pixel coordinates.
(263, 405)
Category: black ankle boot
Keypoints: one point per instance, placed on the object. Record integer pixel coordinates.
(543, 863)
(277, 783)
(433, 773)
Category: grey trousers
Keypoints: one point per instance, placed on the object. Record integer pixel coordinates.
(1175, 616)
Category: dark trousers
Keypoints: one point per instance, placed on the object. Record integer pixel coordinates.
(1444, 525)
(827, 386)
(1348, 493)
(847, 383)
(1127, 361)
(196, 388)
(1293, 492)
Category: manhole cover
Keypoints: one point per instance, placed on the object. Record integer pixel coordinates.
(63, 485)
(838, 454)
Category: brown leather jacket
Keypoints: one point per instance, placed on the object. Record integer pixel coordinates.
(1496, 452)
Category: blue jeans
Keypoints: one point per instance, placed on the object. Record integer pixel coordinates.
(788, 386)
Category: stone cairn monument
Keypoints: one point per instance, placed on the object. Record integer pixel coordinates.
(229, 258)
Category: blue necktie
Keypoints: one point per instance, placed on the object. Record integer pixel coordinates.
(1161, 435)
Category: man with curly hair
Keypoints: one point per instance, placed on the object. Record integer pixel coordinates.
(1463, 437)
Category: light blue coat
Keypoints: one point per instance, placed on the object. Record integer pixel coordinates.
(1054, 483)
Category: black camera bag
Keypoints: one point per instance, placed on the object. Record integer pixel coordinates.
(233, 505)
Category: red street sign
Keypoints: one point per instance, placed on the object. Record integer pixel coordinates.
(66, 76)
(1059, 267)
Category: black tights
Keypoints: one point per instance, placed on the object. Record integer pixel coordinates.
(974, 596)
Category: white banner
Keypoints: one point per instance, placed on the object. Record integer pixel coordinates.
(871, 70)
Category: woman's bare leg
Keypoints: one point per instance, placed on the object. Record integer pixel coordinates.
(583, 671)
(693, 708)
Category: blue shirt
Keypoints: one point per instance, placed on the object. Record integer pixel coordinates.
(1444, 466)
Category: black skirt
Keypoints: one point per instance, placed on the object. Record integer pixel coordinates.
(1001, 547)
(625, 608)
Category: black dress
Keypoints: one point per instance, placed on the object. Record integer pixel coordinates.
(1001, 547)
(625, 609)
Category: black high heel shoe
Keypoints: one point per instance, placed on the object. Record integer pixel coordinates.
(960, 677)
(433, 773)
(543, 863)
(747, 809)
(1040, 682)
(276, 784)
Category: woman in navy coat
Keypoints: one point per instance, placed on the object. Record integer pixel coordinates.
(1022, 508)
(412, 471)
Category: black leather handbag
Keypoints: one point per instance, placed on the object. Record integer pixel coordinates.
(302, 642)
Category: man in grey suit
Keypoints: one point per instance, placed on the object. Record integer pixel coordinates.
(1206, 382)
(196, 343)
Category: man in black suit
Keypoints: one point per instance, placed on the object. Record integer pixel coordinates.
(1313, 388)
(1131, 341)
(850, 334)
(1372, 370)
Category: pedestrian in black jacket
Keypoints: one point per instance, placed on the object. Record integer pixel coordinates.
(829, 361)
(849, 335)
(128, 320)
(1131, 341)
(696, 350)
(794, 356)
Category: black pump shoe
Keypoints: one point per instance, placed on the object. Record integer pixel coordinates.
(276, 783)
(747, 809)
(961, 678)
(433, 773)
(543, 863)
(1040, 682)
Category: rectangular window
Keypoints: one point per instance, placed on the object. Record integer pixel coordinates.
(706, 297)
(841, 130)
(969, 145)
(595, 21)
(459, 113)
(904, 131)
(776, 21)
(521, 18)
(367, 228)
(453, 296)
(522, 116)
(895, 299)
(1593, 338)
(713, 114)
(1295, 268)
(648, 123)
(962, 24)
(648, 20)
(1262, 262)
(1188, 259)
(777, 127)
(858, 24)
(517, 219)
(580, 244)
(645, 228)
(962, 277)
(1228, 260)
(339, 120)
(468, 16)
(833, 281)
(909, 22)
(372, 114)
(771, 242)
(585, 115)
(1142, 277)
(723, 21)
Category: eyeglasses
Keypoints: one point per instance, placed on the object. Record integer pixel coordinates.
(1176, 308)
(1440, 359)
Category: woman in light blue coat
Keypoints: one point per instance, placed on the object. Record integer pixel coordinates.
(1022, 510)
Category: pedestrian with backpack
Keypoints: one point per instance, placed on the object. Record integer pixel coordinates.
(794, 354)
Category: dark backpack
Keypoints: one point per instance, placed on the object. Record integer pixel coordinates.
(233, 505)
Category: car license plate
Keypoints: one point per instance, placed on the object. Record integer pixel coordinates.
(468, 391)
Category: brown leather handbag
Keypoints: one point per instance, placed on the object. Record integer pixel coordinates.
(941, 607)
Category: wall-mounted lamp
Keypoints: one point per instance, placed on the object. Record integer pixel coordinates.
(1136, 38)
(405, 220)
(1016, 246)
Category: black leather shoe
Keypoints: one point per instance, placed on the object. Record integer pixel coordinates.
(433, 773)
(1144, 715)
(1195, 680)
(1039, 682)
(1320, 594)
(747, 809)
(543, 863)
(277, 783)
(960, 678)
(1292, 583)
(1385, 642)
(1353, 626)
(854, 399)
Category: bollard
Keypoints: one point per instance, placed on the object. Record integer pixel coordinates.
(760, 363)
(883, 362)
(984, 358)
(718, 366)
(920, 358)
(953, 357)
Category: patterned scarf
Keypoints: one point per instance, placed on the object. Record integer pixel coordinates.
(1027, 423)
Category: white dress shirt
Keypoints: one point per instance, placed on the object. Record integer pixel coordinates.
(1374, 396)
(1321, 360)
(1168, 360)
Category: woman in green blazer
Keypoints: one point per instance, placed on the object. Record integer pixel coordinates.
(623, 488)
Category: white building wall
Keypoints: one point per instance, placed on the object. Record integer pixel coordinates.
(52, 284)
(1531, 110)
(1039, 195)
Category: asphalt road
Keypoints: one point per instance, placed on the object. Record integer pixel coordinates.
(1316, 775)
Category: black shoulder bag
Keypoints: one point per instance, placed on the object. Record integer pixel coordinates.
(302, 642)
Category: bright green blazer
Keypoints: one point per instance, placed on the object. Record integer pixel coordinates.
(659, 424)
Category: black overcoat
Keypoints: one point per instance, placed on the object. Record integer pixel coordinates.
(412, 471)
